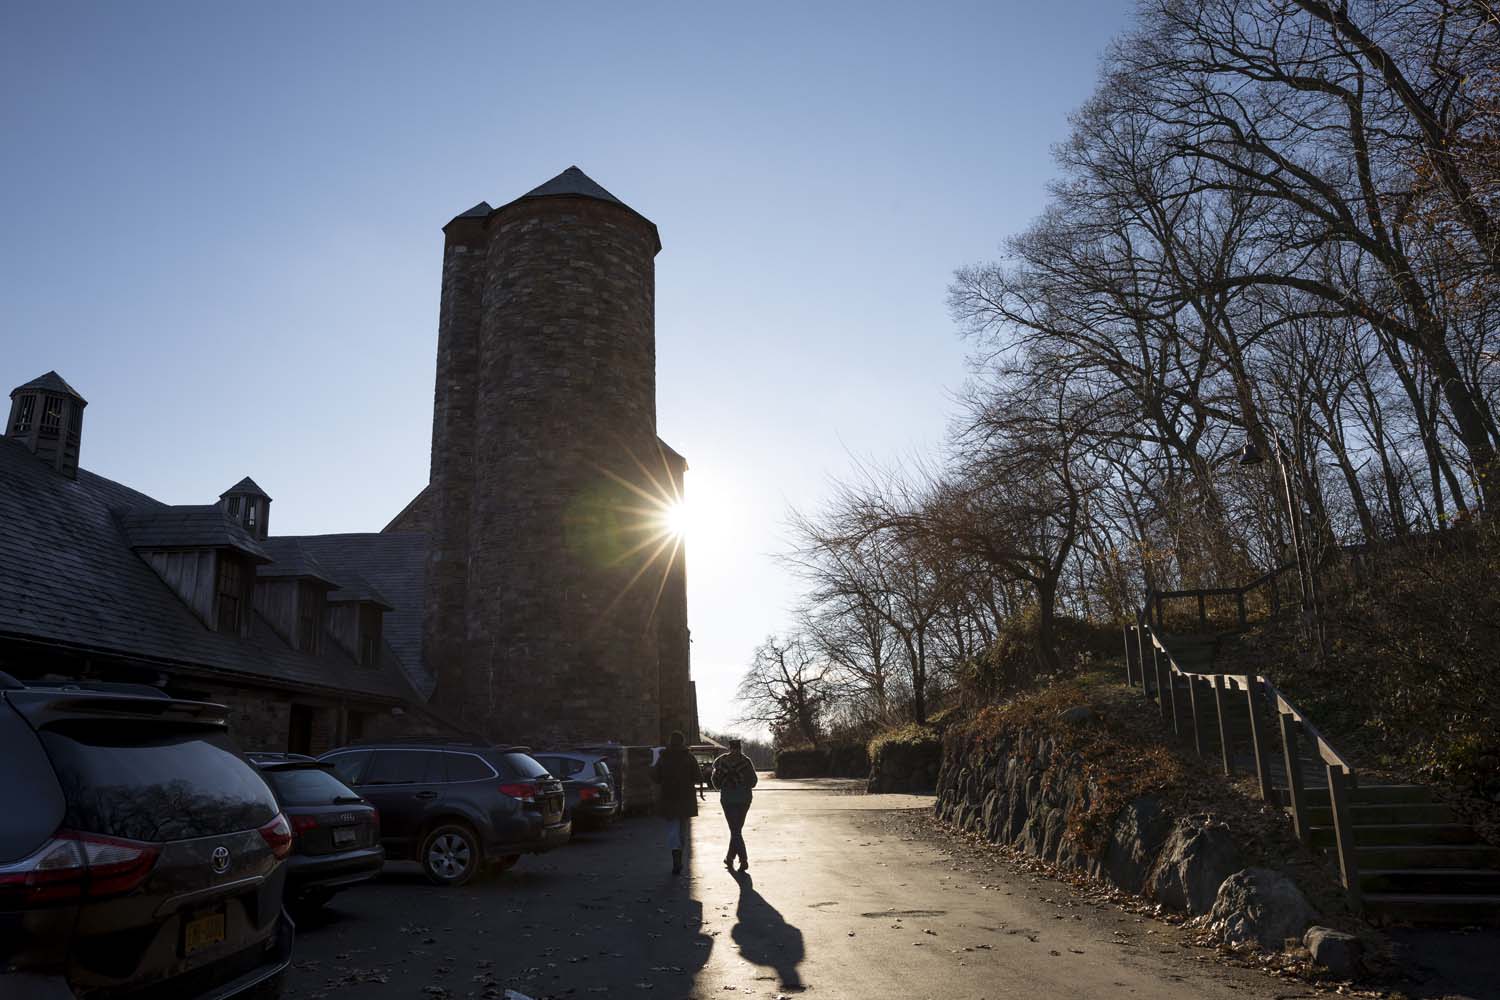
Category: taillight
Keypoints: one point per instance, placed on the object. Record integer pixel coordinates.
(301, 824)
(75, 865)
(585, 794)
(278, 836)
(523, 790)
(374, 817)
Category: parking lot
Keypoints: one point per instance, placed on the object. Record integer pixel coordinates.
(850, 896)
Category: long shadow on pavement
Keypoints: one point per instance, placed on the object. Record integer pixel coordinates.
(764, 936)
(603, 916)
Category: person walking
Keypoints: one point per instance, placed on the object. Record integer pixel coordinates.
(677, 773)
(734, 776)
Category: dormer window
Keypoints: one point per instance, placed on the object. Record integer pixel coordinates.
(309, 616)
(231, 595)
(250, 516)
(25, 413)
(369, 635)
(234, 506)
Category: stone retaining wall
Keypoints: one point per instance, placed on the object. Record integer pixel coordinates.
(1019, 789)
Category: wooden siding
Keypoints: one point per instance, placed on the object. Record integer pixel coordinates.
(349, 625)
(191, 575)
(343, 624)
(276, 600)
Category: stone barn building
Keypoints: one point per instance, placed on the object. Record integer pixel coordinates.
(530, 593)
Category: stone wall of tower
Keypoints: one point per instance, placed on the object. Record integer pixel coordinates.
(673, 647)
(451, 481)
(539, 619)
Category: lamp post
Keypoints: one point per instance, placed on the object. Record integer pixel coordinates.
(1251, 455)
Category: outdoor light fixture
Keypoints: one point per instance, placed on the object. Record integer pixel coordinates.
(1250, 455)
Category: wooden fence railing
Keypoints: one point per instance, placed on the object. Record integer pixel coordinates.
(1150, 664)
(1267, 585)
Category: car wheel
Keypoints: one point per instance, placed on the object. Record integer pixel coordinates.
(450, 854)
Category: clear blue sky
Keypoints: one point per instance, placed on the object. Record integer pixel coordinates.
(222, 226)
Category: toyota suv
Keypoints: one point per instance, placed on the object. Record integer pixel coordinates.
(454, 807)
(139, 855)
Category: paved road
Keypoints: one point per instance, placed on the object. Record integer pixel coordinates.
(847, 897)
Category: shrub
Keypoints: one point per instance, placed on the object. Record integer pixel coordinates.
(910, 735)
(1011, 665)
(833, 760)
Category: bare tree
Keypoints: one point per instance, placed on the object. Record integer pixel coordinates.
(788, 689)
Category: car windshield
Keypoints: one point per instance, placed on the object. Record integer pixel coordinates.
(521, 765)
(123, 780)
(308, 786)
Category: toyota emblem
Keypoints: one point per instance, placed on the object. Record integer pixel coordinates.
(220, 860)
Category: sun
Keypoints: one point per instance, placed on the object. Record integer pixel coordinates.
(677, 518)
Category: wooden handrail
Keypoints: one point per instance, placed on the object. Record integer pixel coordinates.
(1154, 598)
(1292, 722)
(1325, 748)
(1202, 592)
(1282, 703)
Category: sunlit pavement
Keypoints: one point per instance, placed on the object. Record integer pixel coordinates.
(848, 896)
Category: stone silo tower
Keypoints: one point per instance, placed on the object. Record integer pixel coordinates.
(541, 596)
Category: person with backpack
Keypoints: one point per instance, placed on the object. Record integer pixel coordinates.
(734, 776)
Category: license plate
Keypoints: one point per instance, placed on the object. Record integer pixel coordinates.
(202, 932)
(343, 836)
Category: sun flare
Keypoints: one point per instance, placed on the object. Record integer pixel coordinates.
(677, 519)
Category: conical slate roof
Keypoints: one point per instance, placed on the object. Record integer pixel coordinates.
(572, 183)
(244, 486)
(51, 382)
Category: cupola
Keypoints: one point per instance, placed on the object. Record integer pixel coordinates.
(46, 415)
(247, 505)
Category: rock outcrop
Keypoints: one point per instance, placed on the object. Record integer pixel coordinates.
(1260, 907)
(1340, 953)
(1195, 860)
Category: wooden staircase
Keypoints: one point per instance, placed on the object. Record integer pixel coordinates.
(1403, 854)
